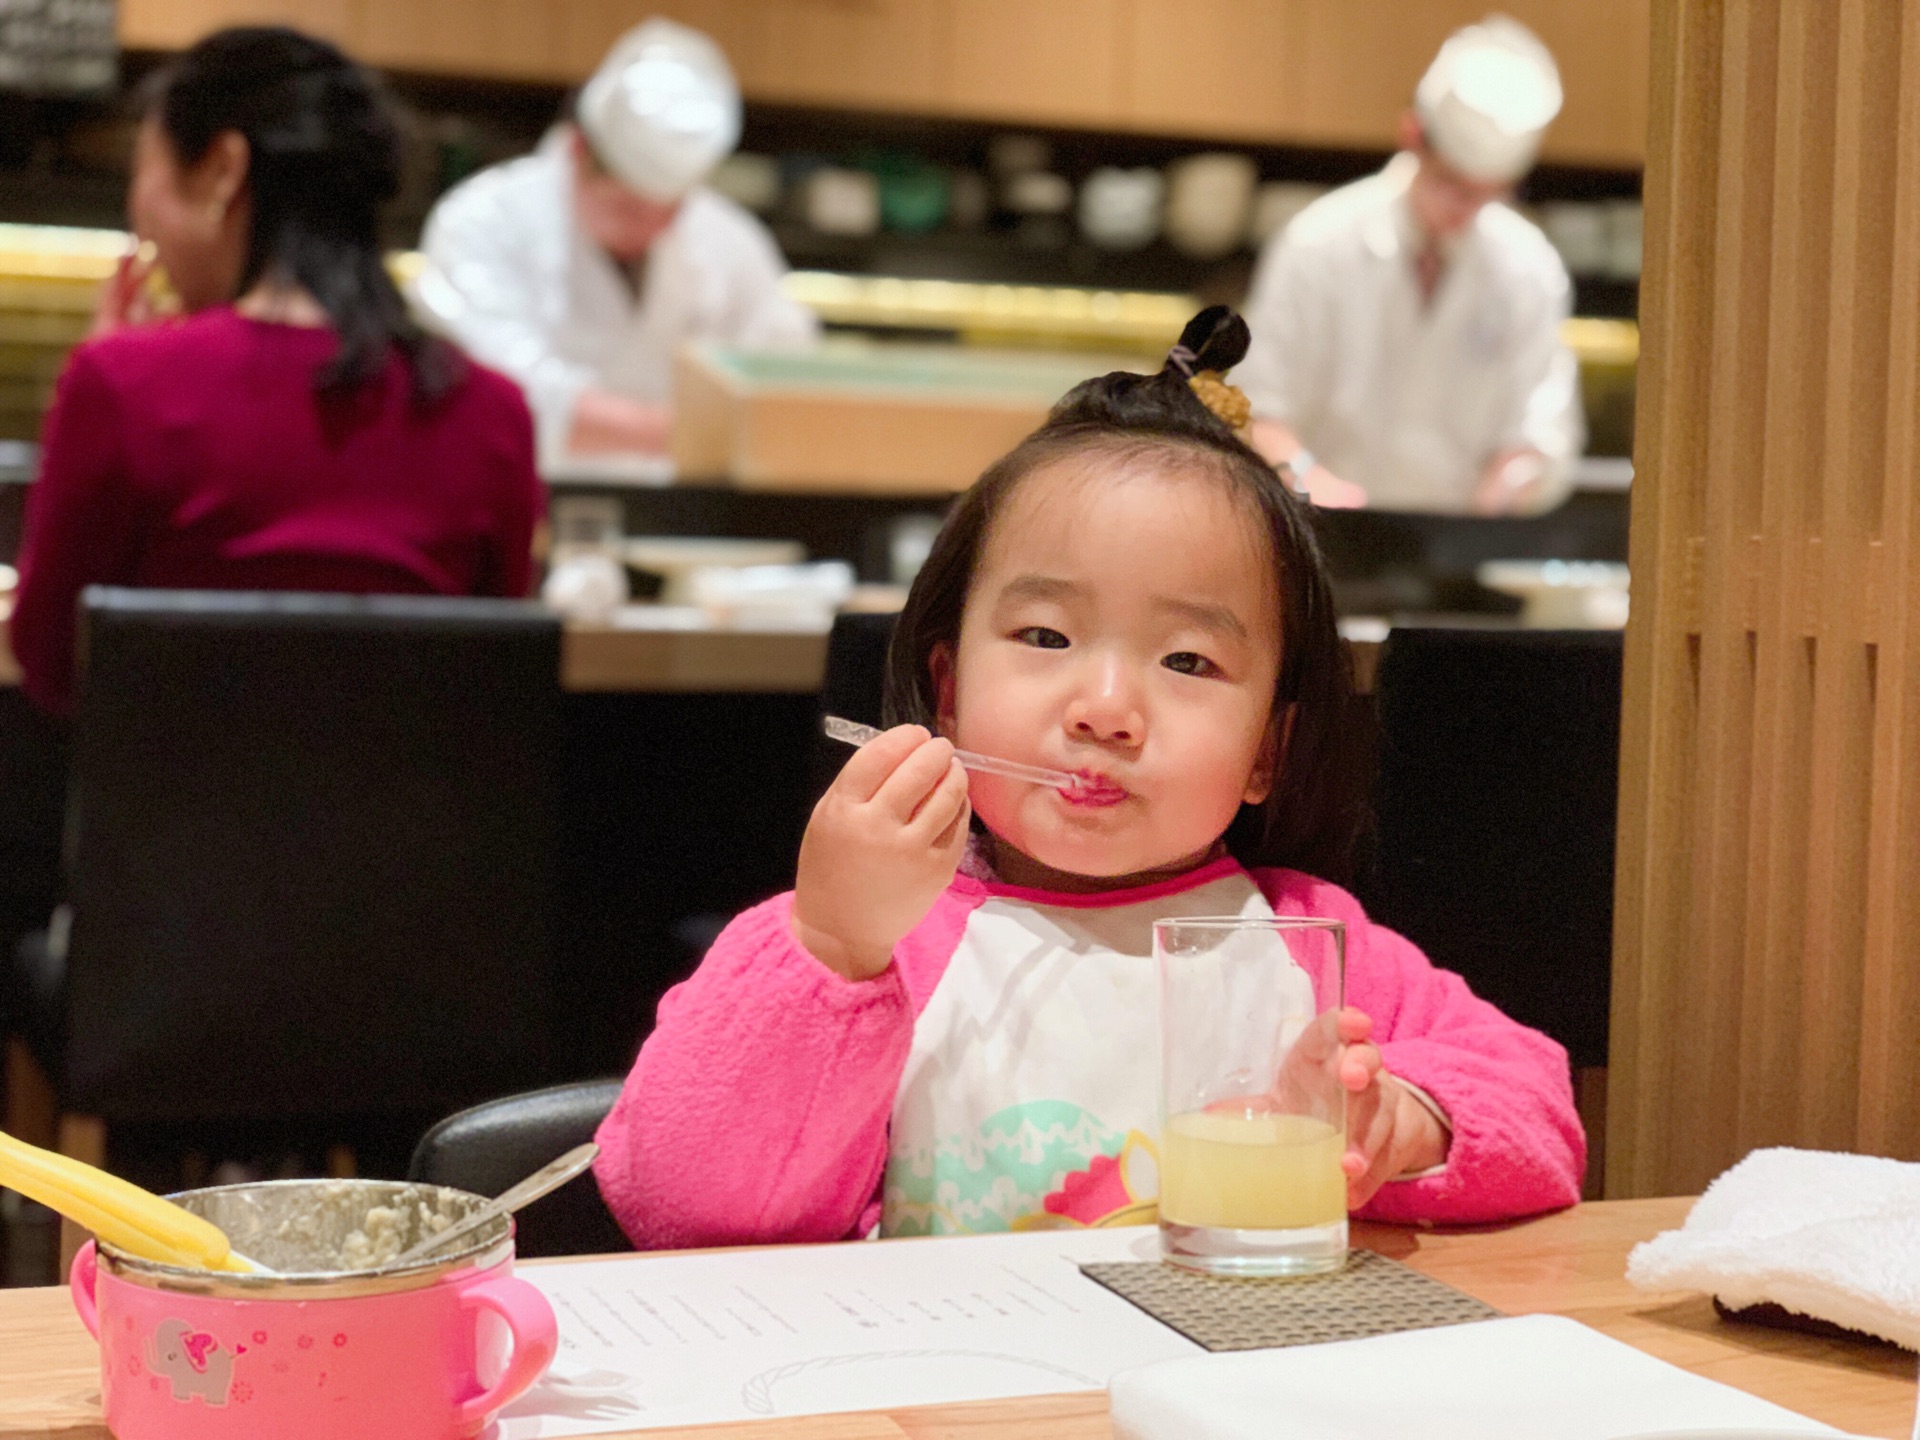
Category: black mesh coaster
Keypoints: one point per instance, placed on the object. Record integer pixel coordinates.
(1371, 1296)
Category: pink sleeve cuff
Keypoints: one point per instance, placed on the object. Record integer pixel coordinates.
(758, 1109)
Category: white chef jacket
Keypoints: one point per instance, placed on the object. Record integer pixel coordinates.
(511, 278)
(1410, 400)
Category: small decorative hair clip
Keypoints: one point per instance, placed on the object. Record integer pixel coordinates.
(1228, 403)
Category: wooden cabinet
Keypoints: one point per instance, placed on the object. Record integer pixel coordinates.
(861, 54)
(171, 24)
(483, 37)
(1309, 72)
(1059, 62)
(1219, 68)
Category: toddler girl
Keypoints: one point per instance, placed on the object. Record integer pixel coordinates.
(950, 1024)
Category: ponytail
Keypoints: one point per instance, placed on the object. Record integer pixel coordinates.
(324, 157)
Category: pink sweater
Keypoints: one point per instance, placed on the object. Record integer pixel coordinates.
(758, 1110)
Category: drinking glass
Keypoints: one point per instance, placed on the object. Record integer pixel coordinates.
(586, 573)
(1253, 1118)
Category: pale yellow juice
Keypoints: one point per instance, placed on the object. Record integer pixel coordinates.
(1251, 1172)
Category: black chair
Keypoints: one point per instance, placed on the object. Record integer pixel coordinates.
(857, 666)
(311, 860)
(33, 789)
(852, 686)
(1495, 816)
(491, 1146)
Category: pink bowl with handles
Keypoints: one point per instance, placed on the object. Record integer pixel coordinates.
(430, 1352)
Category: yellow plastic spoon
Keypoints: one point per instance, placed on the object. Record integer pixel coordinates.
(134, 1221)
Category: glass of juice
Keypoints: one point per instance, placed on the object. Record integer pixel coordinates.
(1252, 1114)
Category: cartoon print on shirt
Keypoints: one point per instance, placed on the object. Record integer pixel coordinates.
(984, 1182)
(1121, 1189)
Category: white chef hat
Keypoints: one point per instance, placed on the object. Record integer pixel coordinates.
(1488, 97)
(662, 110)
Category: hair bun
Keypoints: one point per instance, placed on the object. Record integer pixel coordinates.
(1187, 396)
(1213, 343)
(1217, 339)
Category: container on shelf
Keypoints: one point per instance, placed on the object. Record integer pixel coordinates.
(751, 180)
(1580, 232)
(1209, 201)
(839, 201)
(1120, 209)
(1274, 206)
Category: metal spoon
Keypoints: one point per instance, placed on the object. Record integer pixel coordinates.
(548, 1177)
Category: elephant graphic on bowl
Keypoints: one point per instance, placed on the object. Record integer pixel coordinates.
(192, 1360)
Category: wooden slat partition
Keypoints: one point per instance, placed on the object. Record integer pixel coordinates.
(1767, 935)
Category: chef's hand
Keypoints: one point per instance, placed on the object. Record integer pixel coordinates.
(124, 299)
(609, 424)
(1278, 444)
(883, 842)
(1389, 1133)
(1329, 492)
(1514, 483)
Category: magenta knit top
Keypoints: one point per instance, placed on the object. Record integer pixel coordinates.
(197, 455)
(763, 1108)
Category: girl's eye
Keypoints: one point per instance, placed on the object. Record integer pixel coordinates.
(1041, 637)
(1185, 662)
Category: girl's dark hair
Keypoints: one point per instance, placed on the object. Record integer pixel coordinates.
(324, 156)
(1314, 817)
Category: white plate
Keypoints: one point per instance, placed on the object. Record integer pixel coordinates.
(1741, 1435)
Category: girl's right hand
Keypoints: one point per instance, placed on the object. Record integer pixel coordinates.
(883, 842)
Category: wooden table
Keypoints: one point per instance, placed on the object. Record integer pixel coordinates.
(1568, 1264)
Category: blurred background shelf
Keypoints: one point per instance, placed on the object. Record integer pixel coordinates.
(916, 140)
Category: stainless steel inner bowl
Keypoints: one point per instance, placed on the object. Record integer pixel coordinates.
(326, 1237)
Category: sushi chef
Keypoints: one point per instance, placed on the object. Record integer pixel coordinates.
(581, 269)
(1406, 347)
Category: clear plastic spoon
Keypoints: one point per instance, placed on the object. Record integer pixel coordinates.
(855, 734)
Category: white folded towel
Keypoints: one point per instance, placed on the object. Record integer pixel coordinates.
(1835, 1237)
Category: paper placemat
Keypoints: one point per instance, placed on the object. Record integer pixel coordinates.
(733, 1336)
(1372, 1295)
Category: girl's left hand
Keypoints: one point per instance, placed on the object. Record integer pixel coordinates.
(1389, 1132)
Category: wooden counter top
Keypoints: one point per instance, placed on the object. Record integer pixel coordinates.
(1569, 1264)
(641, 653)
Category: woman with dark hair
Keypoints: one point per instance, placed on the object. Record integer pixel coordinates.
(950, 1024)
(295, 430)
